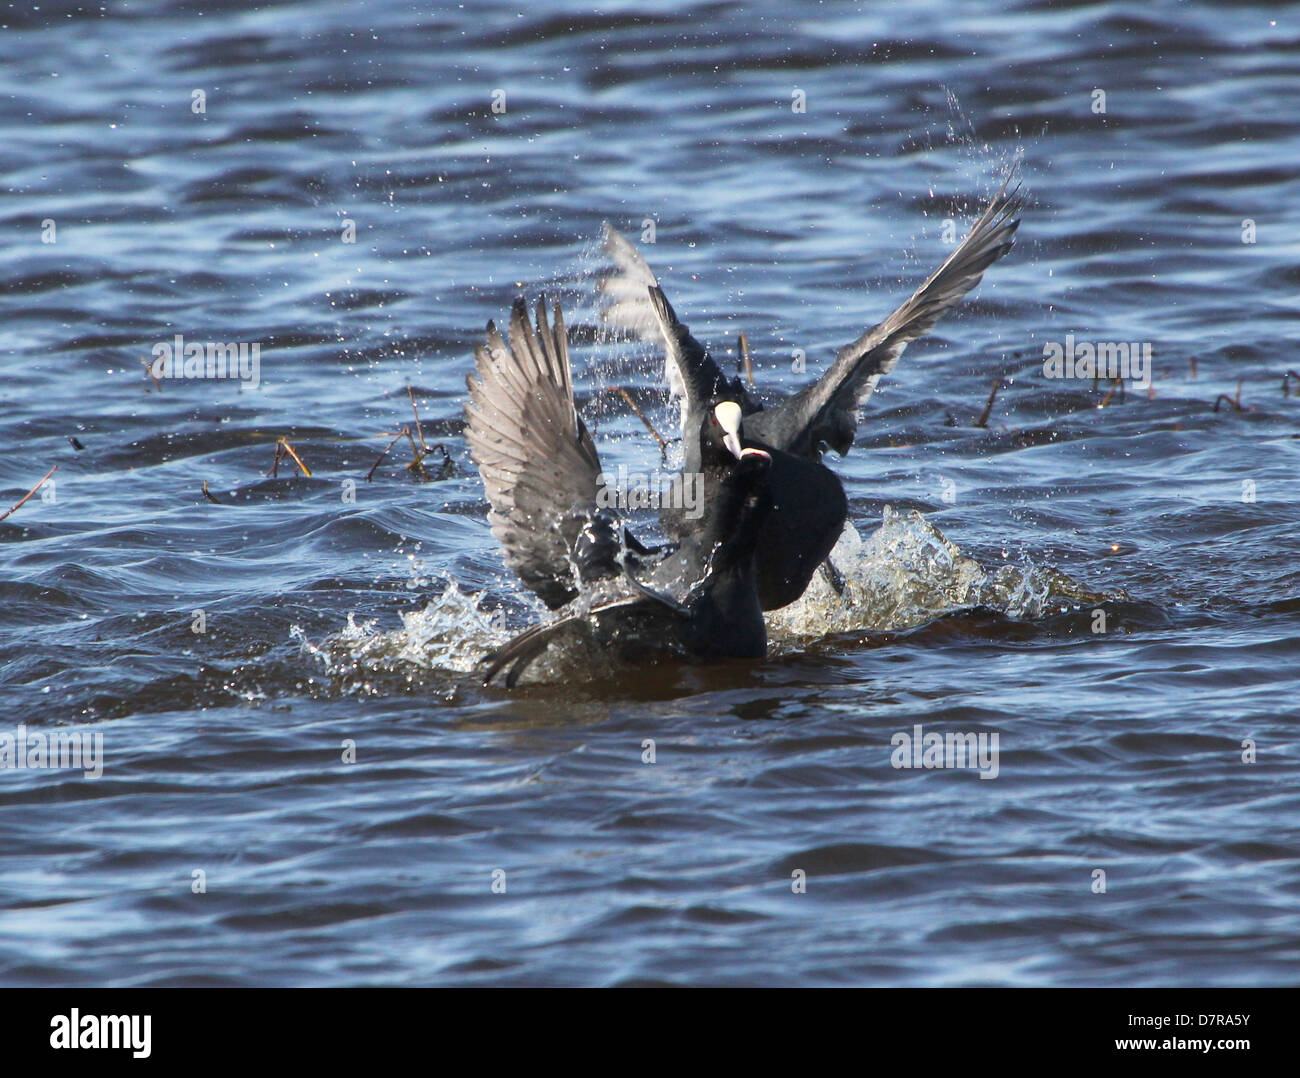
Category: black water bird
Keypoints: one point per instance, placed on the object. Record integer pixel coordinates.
(808, 511)
(821, 416)
(542, 476)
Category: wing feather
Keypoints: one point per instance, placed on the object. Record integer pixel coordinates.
(825, 412)
(534, 454)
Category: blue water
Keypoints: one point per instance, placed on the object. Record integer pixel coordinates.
(227, 841)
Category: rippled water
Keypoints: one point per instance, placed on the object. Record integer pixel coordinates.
(337, 610)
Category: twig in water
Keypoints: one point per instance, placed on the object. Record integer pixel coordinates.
(149, 371)
(283, 449)
(983, 420)
(416, 467)
(745, 359)
(1234, 401)
(414, 411)
(1111, 392)
(1286, 379)
(418, 453)
(289, 449)
(663, 446)
(30, 493)
(208, 494)
(370, 474)
(1192, 361)
(274, 470)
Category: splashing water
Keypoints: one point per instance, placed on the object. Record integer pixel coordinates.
(907, 573)
(904, 574)
(452, 633)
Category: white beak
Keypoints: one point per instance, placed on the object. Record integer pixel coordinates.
(728, 416)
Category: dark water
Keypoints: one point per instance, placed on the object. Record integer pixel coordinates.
(1119, 750)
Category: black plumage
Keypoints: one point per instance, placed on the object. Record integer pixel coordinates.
(541, 472)
(809, 504)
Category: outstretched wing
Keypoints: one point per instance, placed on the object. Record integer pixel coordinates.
(534, 453)
(826, 412)
(520, 652)
(635, 302)
(699, 377)
(625, 304)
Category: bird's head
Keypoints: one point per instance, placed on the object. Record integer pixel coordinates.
(723, 429)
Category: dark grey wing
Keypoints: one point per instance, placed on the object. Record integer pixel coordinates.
(521, 651)
(826, 412)
(534, 453)
(699, 376)
(624, 303)
(634, 301)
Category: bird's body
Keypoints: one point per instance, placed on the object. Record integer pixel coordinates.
(719, 617)
(773, 510)
(809, 506)
(541, 472)
(808, 509)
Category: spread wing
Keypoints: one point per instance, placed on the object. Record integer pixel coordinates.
(534, 453)
(826, 412)
(698, 376)
(519, 652)
(635, 302)
(623, 285)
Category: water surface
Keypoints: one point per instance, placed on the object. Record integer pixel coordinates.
(337, 609)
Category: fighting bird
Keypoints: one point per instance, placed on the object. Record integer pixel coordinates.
(808, 504)
(542, 475)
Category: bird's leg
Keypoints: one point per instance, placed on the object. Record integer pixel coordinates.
(657, 596)
(834, 578)
(641, 552)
